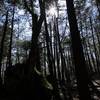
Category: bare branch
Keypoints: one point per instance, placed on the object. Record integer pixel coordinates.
(27, 7)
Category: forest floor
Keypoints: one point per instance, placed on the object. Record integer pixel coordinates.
(95, 82)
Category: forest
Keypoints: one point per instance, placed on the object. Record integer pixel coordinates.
(49, 49)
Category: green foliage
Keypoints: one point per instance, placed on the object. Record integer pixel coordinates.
(66, 41)
(23, 44)
(22, 48)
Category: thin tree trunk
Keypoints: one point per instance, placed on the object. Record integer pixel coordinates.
(44, 58)
(17, 53)
(86, 53)
(9, 62)
(88, 46)
(95, 49)
(2, 44)
(48, 48)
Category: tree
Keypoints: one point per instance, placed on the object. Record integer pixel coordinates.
(43, 47)
(2, 44)
(9, 62)
(78, 55)
(36, 28)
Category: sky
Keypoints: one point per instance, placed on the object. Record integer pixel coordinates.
(25, 22)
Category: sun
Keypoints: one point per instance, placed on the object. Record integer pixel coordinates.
(52, 11)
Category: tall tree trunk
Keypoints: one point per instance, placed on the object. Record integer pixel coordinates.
(17, 38)
(9, 62)
(95, 49)
(57, 58)
(78, 55)
(88, 46)
(44, 58)
(52, 69)
(86, 53)
(2, 44)
(48, 48)
(36, 28)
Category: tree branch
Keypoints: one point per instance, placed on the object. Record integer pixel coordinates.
(27, 7)
(42, 13)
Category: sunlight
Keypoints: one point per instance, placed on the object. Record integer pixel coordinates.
(52, 11)
(21, 12)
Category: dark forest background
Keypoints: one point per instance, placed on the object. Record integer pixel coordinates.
(50, 49)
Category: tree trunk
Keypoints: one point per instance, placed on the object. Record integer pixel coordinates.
(34, 58)
(9, 62)
(48, 49)
(78, 55)
(95, 49)
(2, 44)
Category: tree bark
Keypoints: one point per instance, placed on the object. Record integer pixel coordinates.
(36, 28)
(78, 55)
(2, 43)
(9, 62)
